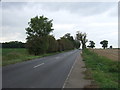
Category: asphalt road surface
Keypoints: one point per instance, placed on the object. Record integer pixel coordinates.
(46, 72)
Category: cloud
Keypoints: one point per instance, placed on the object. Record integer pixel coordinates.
(98, 20)
(13, 33)
(83, 8)
(13, 5)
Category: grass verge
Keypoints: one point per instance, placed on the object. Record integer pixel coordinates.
(15, 55)
(104, 71)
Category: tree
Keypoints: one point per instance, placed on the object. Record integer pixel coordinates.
(37, 34)
(82, 38)
(37, 45)
(76, 43)
(69, 37)
(67, 42)
(104, 43)
(91, 44)
(53, 44)
(111, 47)
(60, 48)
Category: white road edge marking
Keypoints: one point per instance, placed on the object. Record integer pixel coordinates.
(38, 65)
(69, 73)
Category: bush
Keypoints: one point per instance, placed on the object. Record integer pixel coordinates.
(37, 45)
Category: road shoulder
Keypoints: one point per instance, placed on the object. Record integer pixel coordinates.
(76, 78)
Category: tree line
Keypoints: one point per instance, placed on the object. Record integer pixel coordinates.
(83, 40)
(39, 40)
(57, 45)
(13, 44)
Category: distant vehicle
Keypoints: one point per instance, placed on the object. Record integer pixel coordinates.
(79, 49)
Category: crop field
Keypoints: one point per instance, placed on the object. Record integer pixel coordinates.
(109, 53)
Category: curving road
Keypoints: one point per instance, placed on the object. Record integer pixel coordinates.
(46, 72)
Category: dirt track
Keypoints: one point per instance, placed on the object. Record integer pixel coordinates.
(110, 53)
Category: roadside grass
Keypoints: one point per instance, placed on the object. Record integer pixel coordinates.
(15, 55)
(103, 70)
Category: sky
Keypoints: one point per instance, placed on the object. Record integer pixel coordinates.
(98, 19)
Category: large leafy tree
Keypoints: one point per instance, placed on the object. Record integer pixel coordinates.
(104, 43)
(37, 34)
(91, 44)
(82, 37)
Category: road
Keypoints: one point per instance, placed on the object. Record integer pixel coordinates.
(46, 72)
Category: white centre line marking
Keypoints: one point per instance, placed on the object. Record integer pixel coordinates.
(38, 65)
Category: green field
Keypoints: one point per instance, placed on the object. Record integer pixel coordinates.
(103, 70)
(15, 55)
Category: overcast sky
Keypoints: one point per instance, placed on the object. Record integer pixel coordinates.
(98, 19)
